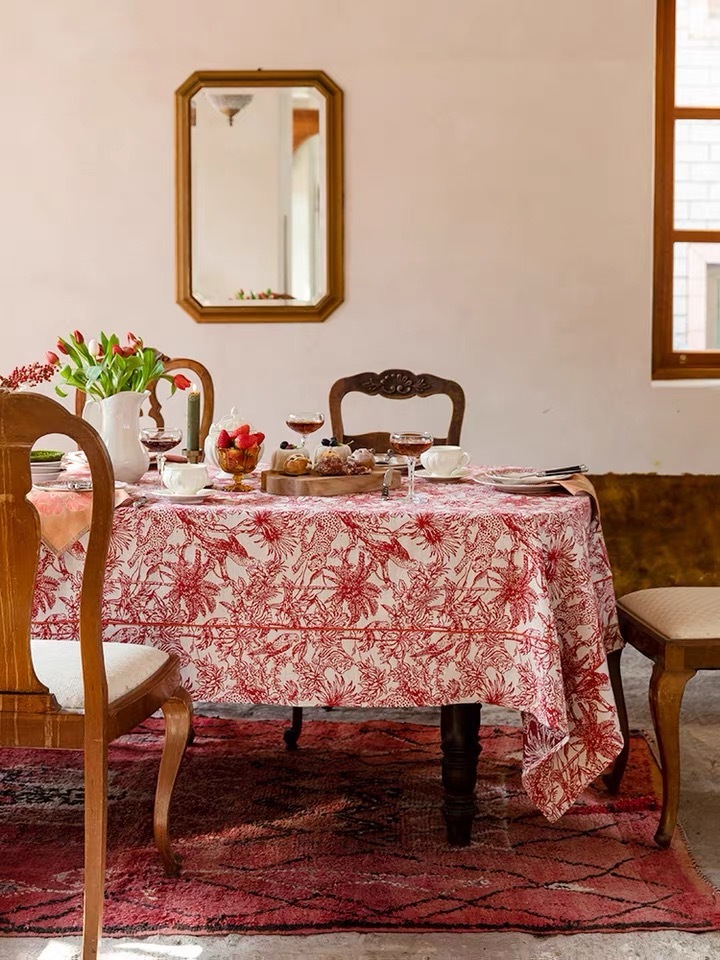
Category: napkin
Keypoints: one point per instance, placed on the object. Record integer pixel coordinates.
(65, 515)
(578, 484)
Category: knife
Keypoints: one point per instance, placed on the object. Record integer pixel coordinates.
(576, 468)
(387, 480)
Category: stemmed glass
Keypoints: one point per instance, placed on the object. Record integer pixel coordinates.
(159, 440)
(304, 424)
(410, 445)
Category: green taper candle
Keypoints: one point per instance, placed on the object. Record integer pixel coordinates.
(193, 419)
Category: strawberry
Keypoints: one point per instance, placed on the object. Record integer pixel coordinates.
(243, 430)
(259, 437)
(245, 441)
(223, 440)
(234, 433)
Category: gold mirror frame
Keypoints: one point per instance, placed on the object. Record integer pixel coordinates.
(245, 313)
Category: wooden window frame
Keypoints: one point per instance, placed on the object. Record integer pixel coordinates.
(668, 364)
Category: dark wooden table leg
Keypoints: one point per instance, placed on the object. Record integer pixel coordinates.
(613, 777)
(292, 734)
(459, 728)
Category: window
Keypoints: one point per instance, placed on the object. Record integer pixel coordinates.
(686, 308)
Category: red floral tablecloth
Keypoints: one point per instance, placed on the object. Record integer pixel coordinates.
(469, 595)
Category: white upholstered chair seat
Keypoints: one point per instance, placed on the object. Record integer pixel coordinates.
(127, 665)
(679, 613)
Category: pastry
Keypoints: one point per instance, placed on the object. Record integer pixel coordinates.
(281, 456)
(331, 448)
(361, 461)
(330, 464)
(296, 464)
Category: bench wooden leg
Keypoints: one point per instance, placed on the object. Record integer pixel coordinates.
(666, 693)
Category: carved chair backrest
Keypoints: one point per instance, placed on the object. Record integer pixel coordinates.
(155, 412)
(394, 385)
(24, 418)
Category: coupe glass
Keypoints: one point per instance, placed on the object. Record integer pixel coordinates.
(304, 424)
(159, 440)
(410, 445)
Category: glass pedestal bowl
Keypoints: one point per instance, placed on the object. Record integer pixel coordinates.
(238, 463)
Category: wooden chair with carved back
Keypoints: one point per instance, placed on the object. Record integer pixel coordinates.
(393, 385)
(663, 539)
(76, 694)
(207, 391)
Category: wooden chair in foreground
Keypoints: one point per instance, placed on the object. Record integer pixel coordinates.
(207, 391)
(678, 628)
(663, 539)
(67, 694)
(394, 385)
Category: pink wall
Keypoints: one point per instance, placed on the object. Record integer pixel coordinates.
(498, 161)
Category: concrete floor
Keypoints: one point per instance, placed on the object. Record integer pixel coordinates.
(699, 812)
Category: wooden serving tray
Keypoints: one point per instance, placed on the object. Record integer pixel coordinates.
(313, 485)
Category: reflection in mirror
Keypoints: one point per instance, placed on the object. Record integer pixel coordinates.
(258, 195)
(259, 198)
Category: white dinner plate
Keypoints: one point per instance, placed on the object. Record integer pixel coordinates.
(443, 478)
(515, 477)
(526, 488)
(180, 497)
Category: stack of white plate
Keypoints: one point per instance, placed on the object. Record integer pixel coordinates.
(46, 471)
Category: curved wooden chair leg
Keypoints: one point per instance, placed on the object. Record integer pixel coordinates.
(96, 802)
(178, 723)
(191, 734)
(666, 693)
(613, 778)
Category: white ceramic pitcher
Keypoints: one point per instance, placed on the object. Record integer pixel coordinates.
(120, 431)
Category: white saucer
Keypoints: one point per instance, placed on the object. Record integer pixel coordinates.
(180, 497)
(446, 478)
(77, 485)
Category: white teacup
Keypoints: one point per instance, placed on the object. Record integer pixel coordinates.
(183, 478)
(443, 461)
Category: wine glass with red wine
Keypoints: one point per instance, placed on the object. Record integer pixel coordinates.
(158, 440)
(410, 445)
(304, 424)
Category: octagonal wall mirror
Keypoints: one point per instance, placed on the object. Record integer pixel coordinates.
(259, 196)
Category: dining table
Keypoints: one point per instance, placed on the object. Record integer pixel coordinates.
(468, 596)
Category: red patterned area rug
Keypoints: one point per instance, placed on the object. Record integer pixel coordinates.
(345, 834)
